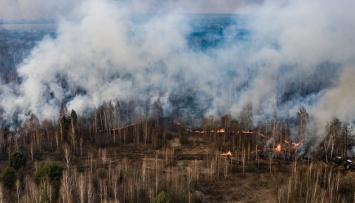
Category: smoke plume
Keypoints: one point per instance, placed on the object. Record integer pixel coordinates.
(296, 53)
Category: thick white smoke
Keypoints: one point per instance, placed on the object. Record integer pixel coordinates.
(104, 51)
(338, 101)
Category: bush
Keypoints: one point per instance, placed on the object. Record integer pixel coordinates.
(8, 177)
(17, 160)
(49, 171)
(162, 197)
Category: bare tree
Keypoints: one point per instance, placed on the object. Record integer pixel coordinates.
(130, 109)
(18, 190)
(66, 188)
(334, 134)
(274, 126)
(246, 116)
(117, 120)
(302, 120)
(157, 110)
(82, 188)
(67, 155)
(346, 134)
(73, 130)
(226, 121)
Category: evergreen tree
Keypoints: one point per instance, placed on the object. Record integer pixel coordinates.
(17, 160)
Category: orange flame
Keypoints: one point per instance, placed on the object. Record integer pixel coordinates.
(295, 144)
(278, 148)
(221, 130)
(227, 154)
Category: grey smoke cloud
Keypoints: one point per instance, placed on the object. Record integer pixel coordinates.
(101, 54)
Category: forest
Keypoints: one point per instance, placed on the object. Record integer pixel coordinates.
(114, 155)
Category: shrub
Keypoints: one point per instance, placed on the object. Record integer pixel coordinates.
(8, 177)
(162, 197)
(49, 171)
(17, 160)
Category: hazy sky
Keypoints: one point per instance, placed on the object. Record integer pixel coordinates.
(52, 9)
